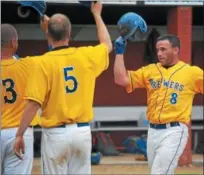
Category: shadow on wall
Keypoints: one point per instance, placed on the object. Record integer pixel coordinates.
(150, 55)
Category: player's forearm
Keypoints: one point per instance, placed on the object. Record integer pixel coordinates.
(102, 32)
(28, 115)
(120, 72)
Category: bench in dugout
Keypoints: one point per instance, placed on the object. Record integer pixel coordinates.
(134, 119)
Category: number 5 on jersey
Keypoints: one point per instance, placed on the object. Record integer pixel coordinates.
(70, 79)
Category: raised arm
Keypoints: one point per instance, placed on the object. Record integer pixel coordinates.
(44, 23)
(102, 31)
(120, 73)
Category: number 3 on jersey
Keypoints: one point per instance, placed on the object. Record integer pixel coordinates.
(174, 99)
(71, 79)
(9, 86)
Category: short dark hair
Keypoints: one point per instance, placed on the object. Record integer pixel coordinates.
(8, 33)
(173, 39)
(59, 27)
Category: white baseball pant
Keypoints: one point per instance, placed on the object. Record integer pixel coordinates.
(66, 150)
(164, 147)
(10, 163)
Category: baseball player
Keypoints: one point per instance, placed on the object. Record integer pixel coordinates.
(171, 85)
(14, 75)
(63, 85)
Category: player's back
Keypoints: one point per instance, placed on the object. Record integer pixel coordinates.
(67, 77)
(14, 79)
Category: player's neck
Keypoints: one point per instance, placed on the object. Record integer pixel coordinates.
(59, 44)
(6, 55)
(172, 64)
(175, 61)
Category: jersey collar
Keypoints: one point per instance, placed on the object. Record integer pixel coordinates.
(8, 62)
(179, 64)
(59, 48)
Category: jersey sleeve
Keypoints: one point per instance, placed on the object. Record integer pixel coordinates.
(98, 57)
(37, 85)
(197, 79)
(137, 79)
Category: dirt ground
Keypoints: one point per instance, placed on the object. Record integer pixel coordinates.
(126, 164)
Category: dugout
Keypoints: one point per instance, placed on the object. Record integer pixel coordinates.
(185, 20)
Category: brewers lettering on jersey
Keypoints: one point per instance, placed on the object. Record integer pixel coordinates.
(15, 75)
(63, 83)
(171, 86)
(169, 93)
(155, 84)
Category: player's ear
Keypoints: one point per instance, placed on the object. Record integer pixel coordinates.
(176, 50)
(69, 35)
(14, 43)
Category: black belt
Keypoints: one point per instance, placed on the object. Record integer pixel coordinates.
(78, 125)
(163, 126)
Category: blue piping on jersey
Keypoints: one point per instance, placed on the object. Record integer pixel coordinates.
(159, 88)
(167, 90)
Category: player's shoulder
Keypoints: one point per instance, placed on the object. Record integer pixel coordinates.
(27, 61)
(192, 67)
(195, 69)
(150, 66)
(28, 58)
(192, 70)
(92, 48)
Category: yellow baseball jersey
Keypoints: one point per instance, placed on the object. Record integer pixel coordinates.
(170, 92)
(65, 79)
(14, 76)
